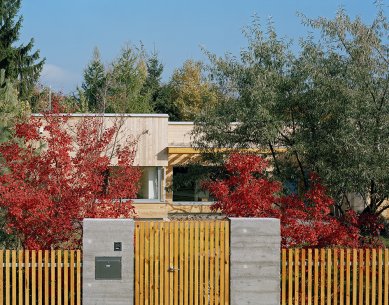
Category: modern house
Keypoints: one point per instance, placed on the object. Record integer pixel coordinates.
(164, 151)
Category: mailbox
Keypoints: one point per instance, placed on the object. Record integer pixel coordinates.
(108, 268)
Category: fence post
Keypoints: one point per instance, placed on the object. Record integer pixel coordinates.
(255, 261)
(99, 236)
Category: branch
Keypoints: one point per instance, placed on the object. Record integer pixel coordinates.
(274, 158)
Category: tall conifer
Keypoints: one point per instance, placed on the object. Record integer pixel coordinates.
(19, 62)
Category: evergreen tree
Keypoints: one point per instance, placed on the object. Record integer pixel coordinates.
(94, 82)
(164, 103)
(11, 109)
(152, 83)
(125, 83)
(19, 63)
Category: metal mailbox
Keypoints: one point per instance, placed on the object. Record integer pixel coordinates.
(108, 268)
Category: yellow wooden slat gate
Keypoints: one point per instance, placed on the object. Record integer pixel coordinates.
(182, 262)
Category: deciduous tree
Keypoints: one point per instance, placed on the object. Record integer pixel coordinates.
(306, 221)
(55, 174)
(325, 104)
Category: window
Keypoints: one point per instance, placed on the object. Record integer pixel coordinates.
(150, 184)
(187, 183)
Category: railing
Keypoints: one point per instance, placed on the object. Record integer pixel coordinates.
(40, 277)
(335, 276)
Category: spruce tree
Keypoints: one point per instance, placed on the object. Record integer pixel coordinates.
(94, 82)
(152, 83)
(21, 65)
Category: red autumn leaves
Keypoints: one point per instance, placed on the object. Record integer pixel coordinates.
(53, 176)
(306, 220)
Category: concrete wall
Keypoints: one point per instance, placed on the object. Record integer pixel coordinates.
(255, 261)
(98, 240)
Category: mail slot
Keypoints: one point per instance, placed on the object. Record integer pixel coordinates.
(108, 268)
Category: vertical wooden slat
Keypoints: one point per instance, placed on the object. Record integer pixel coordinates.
(206, 264)
(157, 262)
(1, 277)
(26, 277)
(186, 263)
(222, 263)
(283, 277)
(303, 267)
(14, 297)
(171, 263)
(217, 254)
(355, 289)
(341, 281)
(373, 276)
(360, 295)
(348, 276)
(20, 276)
(78, 289)
(52, 282)
(137, 266)
(296, 276)
(59, 277)
(329, 276)
(65, 277)
(336, 270)
(227, 264)
(151, 263)
(386, 283)
(191, 262)
(201, 267)
(212, 262)
(46, 294)
(309, 277)
(196, 263)
(72, 282)
(33, 277)
(322, 276)
(40, 274)
(380, 276)
(176, 262)
(166, 273)
(182, 232)
(147, 262)
(290, 276)
(162, 263)
(141, 262)
(7, 278)
(367, 277)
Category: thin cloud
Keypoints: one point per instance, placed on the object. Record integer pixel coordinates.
(59, 78)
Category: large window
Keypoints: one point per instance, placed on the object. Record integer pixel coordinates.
(150, 183)
(187, 184)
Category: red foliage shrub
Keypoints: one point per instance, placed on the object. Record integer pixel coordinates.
(51, 180)
(306, 220)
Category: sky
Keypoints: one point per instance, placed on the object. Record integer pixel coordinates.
(66, 31)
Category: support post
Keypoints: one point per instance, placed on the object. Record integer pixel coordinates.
(255, 261)
(108, 243)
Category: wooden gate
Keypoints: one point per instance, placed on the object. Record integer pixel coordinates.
(182, 262)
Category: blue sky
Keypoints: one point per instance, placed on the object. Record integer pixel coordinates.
(66, 31)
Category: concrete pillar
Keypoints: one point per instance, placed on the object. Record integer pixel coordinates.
(255, 261)
(99, 236)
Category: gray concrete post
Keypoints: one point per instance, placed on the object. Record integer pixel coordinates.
(255, 261)
(99, 236)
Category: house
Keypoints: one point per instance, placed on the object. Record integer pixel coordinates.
(163, 151)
